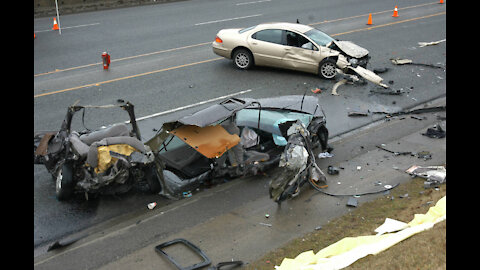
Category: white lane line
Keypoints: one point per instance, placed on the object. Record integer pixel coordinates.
(68, 27)
(253, 2)
(230, 19)
(192, 105)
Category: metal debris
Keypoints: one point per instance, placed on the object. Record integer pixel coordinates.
(424, 44)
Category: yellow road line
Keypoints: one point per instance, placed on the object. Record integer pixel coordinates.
(127, 77)
(124, 58)
(373, 13)
(215, 59)
(388, 24)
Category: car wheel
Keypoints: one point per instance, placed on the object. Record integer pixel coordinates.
(327, 69)
(242, 59)
(64, 184)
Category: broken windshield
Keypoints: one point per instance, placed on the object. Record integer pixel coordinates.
(319, 37)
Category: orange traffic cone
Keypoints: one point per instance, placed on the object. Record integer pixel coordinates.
(369, 22)
(55, 25)
(395, 12)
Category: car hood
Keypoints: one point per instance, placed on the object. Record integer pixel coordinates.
(350, 48)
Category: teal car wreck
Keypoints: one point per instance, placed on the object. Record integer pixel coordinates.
(238, 137)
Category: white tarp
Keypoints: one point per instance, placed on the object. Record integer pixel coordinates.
(348, 250)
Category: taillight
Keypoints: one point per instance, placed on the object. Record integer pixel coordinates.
(218, 40)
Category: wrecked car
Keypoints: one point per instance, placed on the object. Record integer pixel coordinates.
(105, 161)
(236, 137)
(297, 164)
(288, 45)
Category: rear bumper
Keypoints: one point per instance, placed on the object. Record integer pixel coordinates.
(218, 49)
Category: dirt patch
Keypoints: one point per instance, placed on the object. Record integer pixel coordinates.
(426, 250)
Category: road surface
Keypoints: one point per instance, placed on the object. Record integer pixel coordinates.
(162, 60)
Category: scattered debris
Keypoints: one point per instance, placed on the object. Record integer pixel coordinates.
(332, 170)
(336, 85)
(352, 201)
(205, 260)
(393, 152)
(380, 70)
(415, 111)
(423, 44)
(435, 175)
(151, 205)
(424, 154)
(387, 92)
(325, 155)
(435, 132)
(316, 90)
(318, 228)
(399, 61)
(404, 61)
(416, 117)
(265, 224)
(267, 215)
(357, 113)
(200, 254)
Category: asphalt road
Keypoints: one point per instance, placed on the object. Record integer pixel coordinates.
(162, 60)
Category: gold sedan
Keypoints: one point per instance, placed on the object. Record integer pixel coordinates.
(288, 45)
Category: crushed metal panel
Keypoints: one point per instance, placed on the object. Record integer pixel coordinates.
(369, 75)
(351, 48)
(210, 141)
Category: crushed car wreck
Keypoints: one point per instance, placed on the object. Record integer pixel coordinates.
(105, 161)
(297, 164)
(234, 138)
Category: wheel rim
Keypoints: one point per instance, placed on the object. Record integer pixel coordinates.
(242, 60)
(328, 70)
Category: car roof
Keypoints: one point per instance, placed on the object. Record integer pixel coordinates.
(302, 28)
(216, 113)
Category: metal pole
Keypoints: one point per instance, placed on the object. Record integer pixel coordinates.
(58, 19)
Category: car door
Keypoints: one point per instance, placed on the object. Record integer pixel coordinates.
(267, 48)
(300, 53)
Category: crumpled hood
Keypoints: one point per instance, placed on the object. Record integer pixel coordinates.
(351, 48)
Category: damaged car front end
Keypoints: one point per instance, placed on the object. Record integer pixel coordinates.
(234, 138)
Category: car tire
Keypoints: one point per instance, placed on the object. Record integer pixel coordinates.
(64, 183)
(327, 69)
(242, 59)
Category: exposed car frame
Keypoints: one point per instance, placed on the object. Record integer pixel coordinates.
(104, 161)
